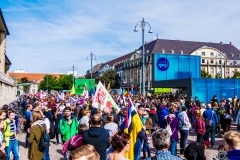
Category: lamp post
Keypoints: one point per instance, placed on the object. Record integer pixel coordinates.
(91, 56)
(73, 68)
(143, 24)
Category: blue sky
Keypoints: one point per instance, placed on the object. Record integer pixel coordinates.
(49, 36)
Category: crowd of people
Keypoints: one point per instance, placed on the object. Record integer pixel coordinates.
(90, 133)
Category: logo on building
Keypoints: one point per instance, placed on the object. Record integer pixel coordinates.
(162, 64)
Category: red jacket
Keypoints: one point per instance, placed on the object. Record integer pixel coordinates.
(200, 126)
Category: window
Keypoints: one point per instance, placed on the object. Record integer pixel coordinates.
(219, 62)
(212, 70)
(134, 56)
(33, 90)
(211, 54)
(227, 71)
(211, 61)
(203, 53)
(203, 60)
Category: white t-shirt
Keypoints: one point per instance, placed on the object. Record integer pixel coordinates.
(46, 122)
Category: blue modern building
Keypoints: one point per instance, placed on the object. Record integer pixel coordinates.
(184, 71)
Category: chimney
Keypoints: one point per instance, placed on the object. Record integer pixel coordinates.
(230, 43)
(221, 43)
(146, 42)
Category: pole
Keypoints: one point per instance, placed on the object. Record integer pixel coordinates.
(73, 74)
(143, 80)
(221, 64)
(47, 82)
(91, 64)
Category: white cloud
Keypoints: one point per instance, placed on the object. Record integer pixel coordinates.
(43, 39)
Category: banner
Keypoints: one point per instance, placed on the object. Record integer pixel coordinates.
(103, 99)
(80, 83)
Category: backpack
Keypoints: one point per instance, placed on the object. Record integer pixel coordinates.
(44, 140)
(70, 148)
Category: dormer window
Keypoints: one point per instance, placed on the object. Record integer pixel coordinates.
(172, 51)
(203, 53)
(181, 51)
(163, 51)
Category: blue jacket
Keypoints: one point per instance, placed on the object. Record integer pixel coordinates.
(233, 154)
(208, 114)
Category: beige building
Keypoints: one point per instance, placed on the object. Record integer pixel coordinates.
(214, 57)
(8, 89)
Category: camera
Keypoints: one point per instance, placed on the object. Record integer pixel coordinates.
(222, 155)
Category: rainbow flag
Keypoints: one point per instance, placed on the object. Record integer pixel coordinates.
(125, 93)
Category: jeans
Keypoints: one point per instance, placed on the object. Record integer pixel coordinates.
(46, 154)
(183, 140)
(13, 146)
(200, 137)
(26, 141)
(193, 122)
(210, 129)
(146, 148)
(137, 149)
(173, 147)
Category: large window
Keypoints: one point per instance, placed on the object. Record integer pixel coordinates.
(227, 71)
(203, 60)
(211, 54)
(203, 53)
(212, 70)
(211, 61)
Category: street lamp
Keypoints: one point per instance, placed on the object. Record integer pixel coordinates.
(143, 24)
(91, 56)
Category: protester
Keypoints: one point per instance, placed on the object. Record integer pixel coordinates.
(184, 125)
(10, 131)
(104, 115)
(232, 144)
(110, 125)
(75, 141)
(211, 121)
(27, 125)
(2, 114)
(195, 151)
(97, 136)
(161, 142)
(2, 141)
(35, 133)
(68, 125)
(86, 152)
(172, 121)
(86, 117)
(229, 114)
(120, 143)
(57, 118)
(200, 127)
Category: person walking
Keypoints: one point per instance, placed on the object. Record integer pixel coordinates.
(10, 131)
(35, 134)
(68, 125)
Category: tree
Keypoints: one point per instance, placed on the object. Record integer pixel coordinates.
(110, 77)
(49, 83)
(65, 82)
(205, 74)
(236, 74)
(25, 80)
(218, 75)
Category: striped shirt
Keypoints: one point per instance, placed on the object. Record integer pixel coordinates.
(12, 129)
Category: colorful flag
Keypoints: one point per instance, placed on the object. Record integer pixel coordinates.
(42, 94)
(73, 100)
(72, 90)
(133, 125)
(109, 87)
(92, 92)
(85, 91)
(103, 99)
(60, 96)
(125, 93)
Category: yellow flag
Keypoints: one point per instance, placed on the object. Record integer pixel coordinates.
(109, 87)
(72, 90)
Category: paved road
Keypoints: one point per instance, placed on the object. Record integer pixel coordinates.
(56, 150)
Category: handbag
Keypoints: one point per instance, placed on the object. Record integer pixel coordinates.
(168, 128)
(70, 148)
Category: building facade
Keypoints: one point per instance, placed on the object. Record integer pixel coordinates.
(8, 89)
(216, 58)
